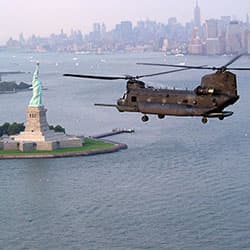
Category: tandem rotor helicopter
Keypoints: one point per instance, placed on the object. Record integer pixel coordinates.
(208, 100)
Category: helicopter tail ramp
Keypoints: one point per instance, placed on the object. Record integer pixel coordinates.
(222, 114)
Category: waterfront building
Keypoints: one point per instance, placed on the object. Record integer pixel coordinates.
(164, 44)
(195, 45)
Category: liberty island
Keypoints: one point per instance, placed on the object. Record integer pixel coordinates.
(40, 140)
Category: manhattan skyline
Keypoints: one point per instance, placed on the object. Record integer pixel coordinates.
(44, 18)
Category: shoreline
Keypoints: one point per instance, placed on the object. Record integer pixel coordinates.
(117, 147)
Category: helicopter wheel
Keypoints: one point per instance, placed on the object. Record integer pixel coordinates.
(161, 116)
(204, 120)
(145, 118)
(221, 117)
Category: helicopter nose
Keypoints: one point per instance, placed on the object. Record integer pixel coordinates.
(120, 102)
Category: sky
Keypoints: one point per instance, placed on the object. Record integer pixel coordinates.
(50, 16)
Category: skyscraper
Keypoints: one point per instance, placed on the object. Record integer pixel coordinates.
(211, 28)
(233, 38)
(197, 16)
(124, 31)
(97, 31)
(212, 37)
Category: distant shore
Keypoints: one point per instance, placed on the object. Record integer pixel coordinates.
(12, 87)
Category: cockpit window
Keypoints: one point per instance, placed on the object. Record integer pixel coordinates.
(133, 99)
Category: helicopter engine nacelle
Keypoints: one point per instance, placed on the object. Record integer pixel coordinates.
(135, 84)
(221, 81)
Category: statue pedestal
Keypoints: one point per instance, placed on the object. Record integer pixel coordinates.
(37, 128)
(38, 135)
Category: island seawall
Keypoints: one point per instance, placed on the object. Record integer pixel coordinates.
(117, 147)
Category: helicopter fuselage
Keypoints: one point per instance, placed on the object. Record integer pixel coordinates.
(216, 92)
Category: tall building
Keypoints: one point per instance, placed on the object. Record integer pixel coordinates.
(195, 45)
(197, 21)
(212, 37)
(211, 28)
(248, 42)
(234, 38)
(223, 22)
(124, 31)
(127, 30)
(197, 16)
(103, 30)
(172, 21)
(21, 40)
(96, 32)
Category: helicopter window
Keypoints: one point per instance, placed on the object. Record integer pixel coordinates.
(133, 99)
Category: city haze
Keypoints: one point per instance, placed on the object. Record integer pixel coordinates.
(46, 17)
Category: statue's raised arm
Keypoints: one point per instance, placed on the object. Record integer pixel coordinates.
(36, 100)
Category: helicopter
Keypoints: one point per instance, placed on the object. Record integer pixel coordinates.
(216, 91)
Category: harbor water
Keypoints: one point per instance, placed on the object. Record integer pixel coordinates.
(179, 185)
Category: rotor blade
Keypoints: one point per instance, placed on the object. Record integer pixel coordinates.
(194, 67)
(99, 77)
(238, 68)
(233, 60)
(126, 77)
(160, 73)
(178, 66)
(174, 65)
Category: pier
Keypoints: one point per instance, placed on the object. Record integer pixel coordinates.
(115, 131)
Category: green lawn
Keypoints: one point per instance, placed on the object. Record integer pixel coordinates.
(90, 144)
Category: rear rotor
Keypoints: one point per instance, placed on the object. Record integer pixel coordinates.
(220, 68)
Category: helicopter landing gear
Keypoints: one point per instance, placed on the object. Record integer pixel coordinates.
(161, 116)
(145, 118)
(221, 117)
(204, 120)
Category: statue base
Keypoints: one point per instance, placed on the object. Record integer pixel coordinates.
(38, 136)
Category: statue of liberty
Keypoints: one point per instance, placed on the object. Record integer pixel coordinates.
(36, 100)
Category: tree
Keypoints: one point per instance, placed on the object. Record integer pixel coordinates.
(15, 128)
(11, 129)
(57, 128)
